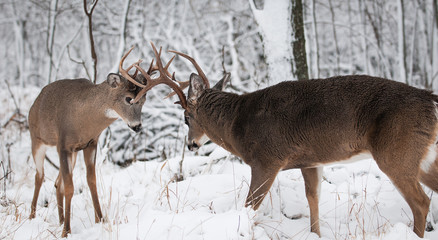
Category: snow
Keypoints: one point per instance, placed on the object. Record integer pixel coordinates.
(143, 201)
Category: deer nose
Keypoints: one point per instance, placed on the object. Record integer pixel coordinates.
(193, 146)
(136, 128)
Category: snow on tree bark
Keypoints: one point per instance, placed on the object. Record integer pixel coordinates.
(275, 28)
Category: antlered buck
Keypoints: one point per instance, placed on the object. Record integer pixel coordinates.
(71, 114)
(307, 124)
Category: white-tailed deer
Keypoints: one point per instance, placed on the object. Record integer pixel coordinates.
(306, 124)
(71, 114)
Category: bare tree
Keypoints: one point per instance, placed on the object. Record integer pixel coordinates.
(123, 30)
(364, 34)
(315, 39)
(299, 41)
(335, 38)
(401, 41)
(90, 32)
(51, 28)
(19, 29)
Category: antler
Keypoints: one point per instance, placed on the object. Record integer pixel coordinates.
(164, 78)
(125, 73)
(200, 72)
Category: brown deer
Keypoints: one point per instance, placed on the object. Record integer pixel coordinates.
(71, 114)
(307, 124)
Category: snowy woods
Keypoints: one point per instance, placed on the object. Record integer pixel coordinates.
(46, 40)
(50, 40)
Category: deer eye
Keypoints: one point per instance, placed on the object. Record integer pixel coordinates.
(186, 119)
(128, 100)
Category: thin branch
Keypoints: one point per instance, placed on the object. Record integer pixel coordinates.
(51, 163)
(17, 109)
(90, 32)
(82, 62)
(223, 59)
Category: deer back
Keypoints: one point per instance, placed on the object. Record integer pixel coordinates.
(318, 120)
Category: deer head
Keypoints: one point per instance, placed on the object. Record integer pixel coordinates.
(120, 98)
(197, 86)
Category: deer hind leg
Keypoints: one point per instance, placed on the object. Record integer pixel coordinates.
(262, 179)
(405, 177)
(90, 162)
(67, 159)
(59, 185)
(38, 153)
(312, 180)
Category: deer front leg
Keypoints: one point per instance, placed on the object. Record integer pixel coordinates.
(66, 169)
(90, 162)
(261, 181)
(312, 181)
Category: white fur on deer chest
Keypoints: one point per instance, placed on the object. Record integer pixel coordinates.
(110, 113)
(429, 158)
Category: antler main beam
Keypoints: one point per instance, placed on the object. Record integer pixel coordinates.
(198, 68)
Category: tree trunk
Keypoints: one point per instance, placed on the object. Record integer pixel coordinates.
(335, 38)
(401, 42)
(315, 40)
(275, 28)
(19, 28)
(122, 41)
(352, 68)
(51, 35)
(299, 41)
(435, 55)
(90, 32)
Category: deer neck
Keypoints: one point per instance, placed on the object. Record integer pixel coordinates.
(216, 112)
(97, 110)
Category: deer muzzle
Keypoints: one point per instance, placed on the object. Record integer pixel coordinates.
(193, 146)
(136, 128)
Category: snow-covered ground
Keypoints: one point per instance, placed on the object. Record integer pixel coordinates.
(143, 201)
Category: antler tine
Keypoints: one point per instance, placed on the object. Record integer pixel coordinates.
(125, 73)
(151, 67)
(200, 72)
(168, 63)
(182, 85)
(135, 73)
(159, 64)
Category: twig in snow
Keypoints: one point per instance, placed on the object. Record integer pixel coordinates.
(17, 109)
(51, 163)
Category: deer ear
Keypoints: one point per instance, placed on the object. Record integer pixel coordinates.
(223, 82)
(114, 80)
(196, 87)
